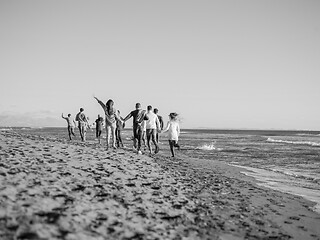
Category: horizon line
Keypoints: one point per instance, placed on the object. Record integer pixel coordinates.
(188, 128)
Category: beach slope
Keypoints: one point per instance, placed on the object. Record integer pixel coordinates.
(53, 189)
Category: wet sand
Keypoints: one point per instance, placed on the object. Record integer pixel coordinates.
(54, 189)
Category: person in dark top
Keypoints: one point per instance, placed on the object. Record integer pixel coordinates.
(138, 116)
(161, 123)
(99, 126)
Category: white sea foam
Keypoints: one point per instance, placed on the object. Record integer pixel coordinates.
(307, 134)
(182, 132)
(209, 147)
(294, 142)
(5, 129)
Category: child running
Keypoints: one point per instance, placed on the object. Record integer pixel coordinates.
(173, 129)
(99, 126)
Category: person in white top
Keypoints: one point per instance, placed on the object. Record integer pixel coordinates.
(173, 129)
(71, 125)
(152, 126)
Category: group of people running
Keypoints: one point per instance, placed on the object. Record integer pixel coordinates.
(147, 125)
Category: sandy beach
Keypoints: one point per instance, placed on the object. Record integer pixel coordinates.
(56, 189)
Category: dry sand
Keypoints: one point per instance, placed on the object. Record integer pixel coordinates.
(53, 189)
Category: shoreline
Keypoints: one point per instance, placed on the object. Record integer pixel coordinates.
(51, 188)
(262, 178)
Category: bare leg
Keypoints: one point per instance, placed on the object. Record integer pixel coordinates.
(108, 130)
(113, 132)
(84, 130)
(119, 139)
(171, 144)
(81, 133)
(144, 139)
(99, 136)
(69, 133)
(154, 140)
(72, 131)
(149, 131)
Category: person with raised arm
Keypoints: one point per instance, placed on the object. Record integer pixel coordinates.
(111, 118)
(71, 125)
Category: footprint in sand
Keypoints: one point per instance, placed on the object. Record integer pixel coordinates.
(294, 218)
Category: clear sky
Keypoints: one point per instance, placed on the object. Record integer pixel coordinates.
(219, 64)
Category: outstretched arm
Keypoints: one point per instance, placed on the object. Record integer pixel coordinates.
(101, 103)
(167, 127)
(127, 117)
(63, 116)
(143, 117)
(116, 114)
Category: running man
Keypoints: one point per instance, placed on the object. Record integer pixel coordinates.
(138, 115)
(161, 123)
(153, 126)
(119, 127)
(82, 124)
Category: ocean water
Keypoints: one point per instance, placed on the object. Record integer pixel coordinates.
(287, 161)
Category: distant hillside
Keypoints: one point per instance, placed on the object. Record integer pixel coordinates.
(22, 120)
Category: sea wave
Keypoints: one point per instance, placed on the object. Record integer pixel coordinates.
(209, 147)
(307, 134)
(279, 181)
(297, 173)
(314, 144)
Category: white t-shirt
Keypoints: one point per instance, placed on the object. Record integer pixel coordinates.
(153, 121)
(173, 129)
